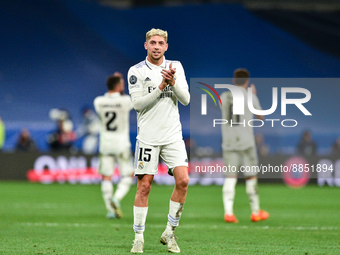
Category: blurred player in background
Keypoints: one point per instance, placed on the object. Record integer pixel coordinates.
(239, 149)
(156, 85)
(261, 147)
(113, 110)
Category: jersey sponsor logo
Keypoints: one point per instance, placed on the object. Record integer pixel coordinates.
(167, 92)
(133, 79)
(150, 89)
(147, 79)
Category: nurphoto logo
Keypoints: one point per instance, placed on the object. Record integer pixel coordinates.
(239, 104)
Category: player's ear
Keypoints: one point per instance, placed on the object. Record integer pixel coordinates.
(146, 45)
(166, 47)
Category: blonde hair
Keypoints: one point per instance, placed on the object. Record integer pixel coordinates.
(159, 32)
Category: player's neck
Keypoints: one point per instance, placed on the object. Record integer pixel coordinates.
(245, 86)
(156, 62)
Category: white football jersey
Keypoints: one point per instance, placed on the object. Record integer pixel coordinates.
(159, 123)
(113, 110)
(239, 135)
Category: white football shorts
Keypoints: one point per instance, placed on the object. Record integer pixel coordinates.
(147, 157)
(107, 163)
(244, 162)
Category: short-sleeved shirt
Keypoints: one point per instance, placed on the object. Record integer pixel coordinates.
(238, 136)
(113, 110)
(159, 123)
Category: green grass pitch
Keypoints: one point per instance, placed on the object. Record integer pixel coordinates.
(70, 219)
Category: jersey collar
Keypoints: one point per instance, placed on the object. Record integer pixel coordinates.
(115, 94)
(152, 66)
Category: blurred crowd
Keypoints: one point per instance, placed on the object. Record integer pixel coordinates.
(65, 134)
(306, 146)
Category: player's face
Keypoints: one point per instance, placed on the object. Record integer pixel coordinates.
(156, 46)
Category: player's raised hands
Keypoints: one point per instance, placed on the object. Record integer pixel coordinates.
(118, 74)
(169, 75)
(253, 88)
(173, 70)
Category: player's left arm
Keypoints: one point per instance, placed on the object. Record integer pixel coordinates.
(175, 77)
(96, 105)
(128, 102)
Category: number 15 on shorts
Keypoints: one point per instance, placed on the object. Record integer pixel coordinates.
(144, 154)
(146, 159)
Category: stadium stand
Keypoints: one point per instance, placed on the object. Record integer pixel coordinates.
(57, 54)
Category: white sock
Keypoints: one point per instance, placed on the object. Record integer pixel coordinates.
(175, 212)
(107, 191)
(251, 189)
(139, 218)
(228, 193)
(123, 187)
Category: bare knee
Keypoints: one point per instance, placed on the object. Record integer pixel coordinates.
(182, 184)
(106, 178)
(143, 188)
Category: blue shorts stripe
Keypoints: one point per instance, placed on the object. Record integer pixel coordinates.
(136, 155)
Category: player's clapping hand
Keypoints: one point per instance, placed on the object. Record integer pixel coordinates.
(169, 75)
(118, 74)
(253, 88)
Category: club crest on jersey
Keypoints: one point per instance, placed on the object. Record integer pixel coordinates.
(133, 79)
(140, 166)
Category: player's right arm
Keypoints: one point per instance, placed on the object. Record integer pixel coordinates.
(256, 101)
(225, 106)
(140, 101)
